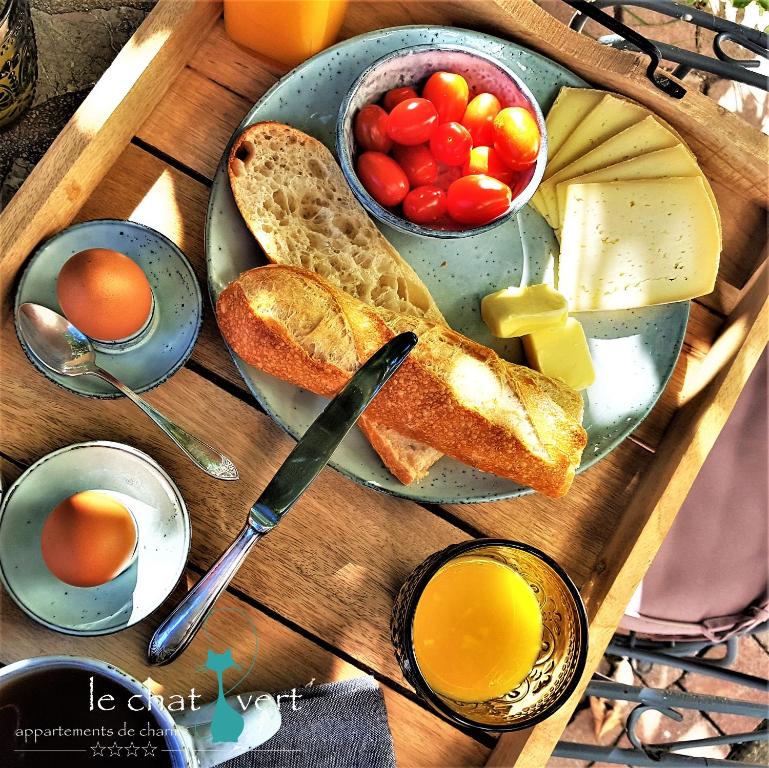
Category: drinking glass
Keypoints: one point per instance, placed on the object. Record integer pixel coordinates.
(561, 659)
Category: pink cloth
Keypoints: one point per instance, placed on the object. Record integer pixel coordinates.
(709, 578)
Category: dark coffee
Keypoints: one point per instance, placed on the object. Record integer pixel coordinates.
(49, 718)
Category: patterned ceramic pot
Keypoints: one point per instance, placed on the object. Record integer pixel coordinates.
(18, 60)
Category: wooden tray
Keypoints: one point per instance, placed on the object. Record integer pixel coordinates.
(144, 146)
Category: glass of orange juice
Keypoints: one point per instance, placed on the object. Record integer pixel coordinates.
(288, 31)
(492, 633)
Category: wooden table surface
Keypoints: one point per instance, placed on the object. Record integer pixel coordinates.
(319, 590)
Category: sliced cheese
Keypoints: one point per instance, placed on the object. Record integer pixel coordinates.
(570, 107)
(629, 244)
(609, 117)
(673, 161)
(647, 136)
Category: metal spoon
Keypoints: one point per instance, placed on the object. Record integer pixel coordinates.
(62, 348)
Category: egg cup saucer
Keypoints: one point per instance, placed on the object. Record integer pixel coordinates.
(178, 305)
(133, 479)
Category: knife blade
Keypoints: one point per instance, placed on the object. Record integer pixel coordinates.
(323, 436)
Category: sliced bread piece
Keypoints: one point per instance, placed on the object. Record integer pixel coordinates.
(297, 204)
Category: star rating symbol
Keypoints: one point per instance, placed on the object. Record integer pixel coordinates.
(149, 750)
(114, 750)
(132, 750)
(98, 750)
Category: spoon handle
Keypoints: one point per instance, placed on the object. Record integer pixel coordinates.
(207, 458)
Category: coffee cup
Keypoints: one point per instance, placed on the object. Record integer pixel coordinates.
(72, 705)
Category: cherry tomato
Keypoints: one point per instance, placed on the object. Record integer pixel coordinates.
(478, 199)
(370, 129)
(417, 162)
(383, 178)
(424, 205)
(447, 175)
(451, 143)
(516, 137)
(396, 96)
(412, 121)
(486, 160)
(479, 118)
(449, 92)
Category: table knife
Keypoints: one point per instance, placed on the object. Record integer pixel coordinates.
(296, 473)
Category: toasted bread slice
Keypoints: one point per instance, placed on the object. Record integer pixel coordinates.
(296, 202)
(452, 393)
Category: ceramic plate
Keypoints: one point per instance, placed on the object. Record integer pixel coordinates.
(178, 303)
(136, 481)
(634, 352)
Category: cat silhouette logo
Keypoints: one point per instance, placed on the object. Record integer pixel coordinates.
(227, 724)
(228, 720)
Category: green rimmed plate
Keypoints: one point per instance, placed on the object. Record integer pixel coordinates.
(634, 351)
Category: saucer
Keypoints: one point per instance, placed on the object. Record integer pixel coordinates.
(178, 311)
(133, 479)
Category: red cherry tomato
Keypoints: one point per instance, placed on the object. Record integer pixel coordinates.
(417, 162)
(449, 92)
(447, 175)
(383, 178)
(516, 137)
(451, 143)
(479, 118)
(424, 205)
(412, 121)
(478, 199)
(396, 96)
(370, 129)
(486, 161)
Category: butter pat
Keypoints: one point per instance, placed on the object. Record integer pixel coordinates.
(518, 311)
(561, 352)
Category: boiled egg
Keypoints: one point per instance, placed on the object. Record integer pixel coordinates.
(104, 294)
(88, 539)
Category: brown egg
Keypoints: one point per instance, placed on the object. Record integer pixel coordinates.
(104, 294)
(88, 539)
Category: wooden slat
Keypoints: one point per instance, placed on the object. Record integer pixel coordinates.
(185, 126)
(573, 529)
(100, 129)
(341, 554)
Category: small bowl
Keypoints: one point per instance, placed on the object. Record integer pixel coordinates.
(411, 67)
(561, 661)
(156, 505)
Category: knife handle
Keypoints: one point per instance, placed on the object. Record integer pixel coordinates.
(176, 632)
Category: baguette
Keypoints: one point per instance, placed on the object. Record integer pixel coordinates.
(297, 204)
(451, 393)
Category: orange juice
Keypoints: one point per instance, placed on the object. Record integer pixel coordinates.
(289, 31)
(477, 629)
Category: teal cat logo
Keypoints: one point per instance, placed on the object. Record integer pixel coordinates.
(227, 724)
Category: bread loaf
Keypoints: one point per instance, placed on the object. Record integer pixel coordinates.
(451, 393)
(296, 202)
